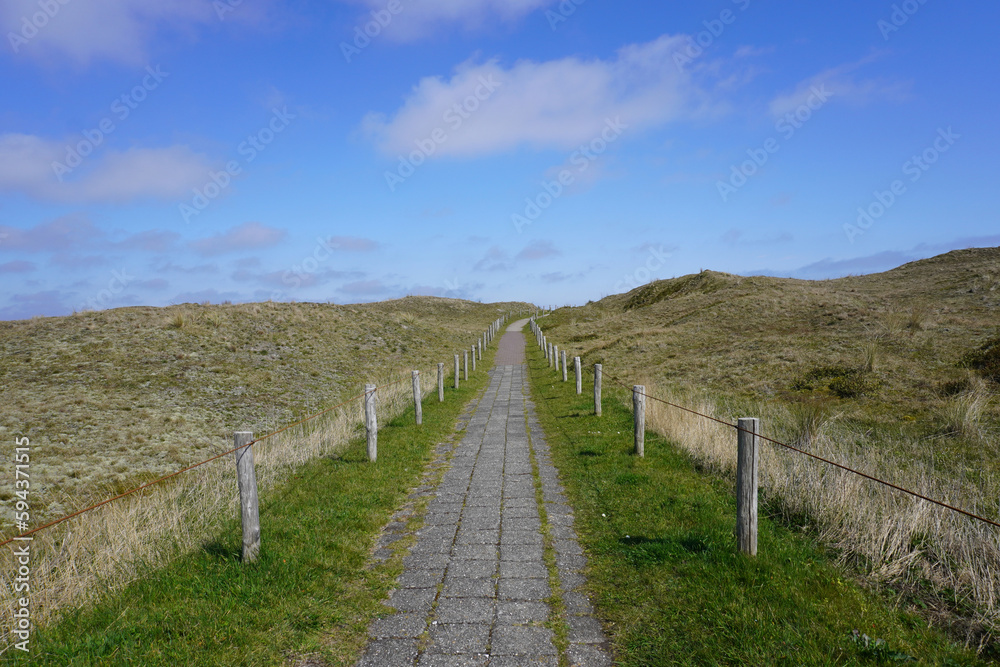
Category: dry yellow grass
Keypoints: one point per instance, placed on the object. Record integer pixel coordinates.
(865, 371)
(101, 551)
(892, 537)
(113, 398)
(116, 398)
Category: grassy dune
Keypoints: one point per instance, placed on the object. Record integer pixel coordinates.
(310, 597)
(667, 580)
(115, 397)
(887, 372)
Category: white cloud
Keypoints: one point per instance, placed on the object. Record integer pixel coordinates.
(26, 166)
(555, 104)
(495, 259)
(841, 84)
(117, 30)
(538, 250)
(422, 19)
(248, 236)
(352, 243)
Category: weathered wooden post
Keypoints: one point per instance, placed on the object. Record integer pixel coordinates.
(417, 407)
(555, 351)
(441, 383)
(747, 447)
(371, 423)
(246, 479)
(639, 410)
(579, 375)
(473, 358)
(564, 364)
(456, 371)
(465, 367)
(597, 389)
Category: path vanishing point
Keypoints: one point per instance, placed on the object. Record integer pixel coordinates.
(476, 588)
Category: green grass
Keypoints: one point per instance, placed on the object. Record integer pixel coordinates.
(882, 349)
(309, 594)
(667, 580)
(108, 397)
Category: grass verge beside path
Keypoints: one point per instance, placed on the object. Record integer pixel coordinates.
(309, 593)
(667, 580)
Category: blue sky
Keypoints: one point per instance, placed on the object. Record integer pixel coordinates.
(554, 152)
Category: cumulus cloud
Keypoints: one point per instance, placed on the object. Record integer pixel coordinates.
(150, 241)
(115, 30)
(27, 167)
(247, 236)
(841, 84)
(352, 243)
(538, 250)
(24, 306)
(292, 278)
(487, 108)
(75, 233)
(70, 232)
(17, 266)
(495, 259)
(423, 19)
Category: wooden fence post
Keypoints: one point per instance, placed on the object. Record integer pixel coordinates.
(597, 389)
(579, 375)
(564, 364)
(555, 351)
(465, 367)
(456, 371)
(246, 479)
(441, 383)
(473, 358)
(639, 410)
(747, 447)
(417, 407)
(371, 423)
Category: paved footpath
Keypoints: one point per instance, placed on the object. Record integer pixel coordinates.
(475, 586)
